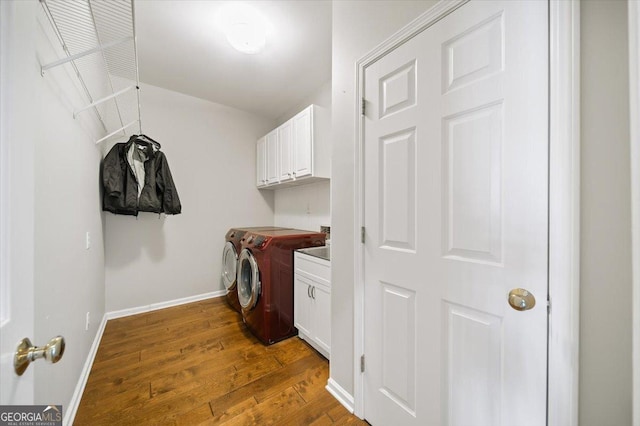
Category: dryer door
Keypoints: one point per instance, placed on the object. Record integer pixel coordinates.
(248, 280)
(229, 266)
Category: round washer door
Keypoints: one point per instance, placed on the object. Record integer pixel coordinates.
(248, 280)
(229, 266)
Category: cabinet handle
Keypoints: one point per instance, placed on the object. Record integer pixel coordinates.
(308, 291)
(313, 293)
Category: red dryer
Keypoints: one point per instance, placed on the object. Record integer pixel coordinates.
(265, 280)
(232, 247)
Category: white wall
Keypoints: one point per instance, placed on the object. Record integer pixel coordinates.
(306, 206)
(321, 96)
(303, 207)
(358, 27)
(211, 153)
(63, 203)
(605, 329)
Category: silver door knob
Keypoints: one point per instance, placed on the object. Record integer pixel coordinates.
(27, 353)
(521, 299)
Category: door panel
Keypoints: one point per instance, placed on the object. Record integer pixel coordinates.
(455, 211)
(17, 246)
(272, 162)
(472, 171)
(467, 331)
(398, 89)
(303, 143)
(302, 308)
(397, 190)
(261, 162)
(285, 147)
(322, 314)
(399, 346)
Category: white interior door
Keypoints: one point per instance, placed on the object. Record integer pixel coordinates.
(455, 212)
(16, 208)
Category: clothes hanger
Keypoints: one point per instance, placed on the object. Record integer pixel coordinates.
(147, 139)
(143, 145)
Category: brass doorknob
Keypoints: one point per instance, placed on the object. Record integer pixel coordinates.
(521, 299)
(27, 353)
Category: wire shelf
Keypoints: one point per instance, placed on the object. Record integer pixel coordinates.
(99, 40)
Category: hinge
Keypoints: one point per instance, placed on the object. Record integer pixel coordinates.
(363, 106)
(362, 234)
(548, 306)
(362, 363)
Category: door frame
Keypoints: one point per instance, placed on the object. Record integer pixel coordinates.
(564, 203)
(634, 110)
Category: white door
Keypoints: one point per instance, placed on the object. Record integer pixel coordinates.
(261, 162)
(16, 211)
(272, 157)
(285, 147)
(303, 143)
(455, 213)
(302, 309)
(321, 300)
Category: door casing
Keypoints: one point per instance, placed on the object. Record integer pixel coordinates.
(634, 110)
(564, 203)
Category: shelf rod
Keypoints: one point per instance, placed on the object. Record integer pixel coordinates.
(116, 131)
(85, 53)
(99, 101)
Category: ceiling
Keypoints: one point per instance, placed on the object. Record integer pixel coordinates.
(179, 48)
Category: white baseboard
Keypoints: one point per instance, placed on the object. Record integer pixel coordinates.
(73, 405)
(161, 305)
(338, 392)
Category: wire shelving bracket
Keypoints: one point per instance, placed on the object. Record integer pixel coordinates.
(99, 40)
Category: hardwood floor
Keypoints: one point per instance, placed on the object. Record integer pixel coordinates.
(197, 364)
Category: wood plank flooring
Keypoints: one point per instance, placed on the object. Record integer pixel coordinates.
(197, 364)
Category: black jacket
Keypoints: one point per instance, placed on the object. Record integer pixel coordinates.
(121, 190)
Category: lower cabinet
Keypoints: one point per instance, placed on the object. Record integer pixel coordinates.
(312, 301)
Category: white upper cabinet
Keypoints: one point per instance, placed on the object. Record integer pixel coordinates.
(273, 174)
(303, 149)
(285, 151)
(261, 162)
(298, 151)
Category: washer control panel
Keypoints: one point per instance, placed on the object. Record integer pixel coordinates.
(256, 241)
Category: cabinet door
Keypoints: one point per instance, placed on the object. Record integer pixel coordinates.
(303, 143)
(321, 321)
(302, 305)
(272, 157)
(261, 171)
(285, 145)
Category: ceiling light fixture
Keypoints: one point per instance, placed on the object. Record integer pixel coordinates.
(244, 27)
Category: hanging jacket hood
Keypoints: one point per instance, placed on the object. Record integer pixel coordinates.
(124, 194)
